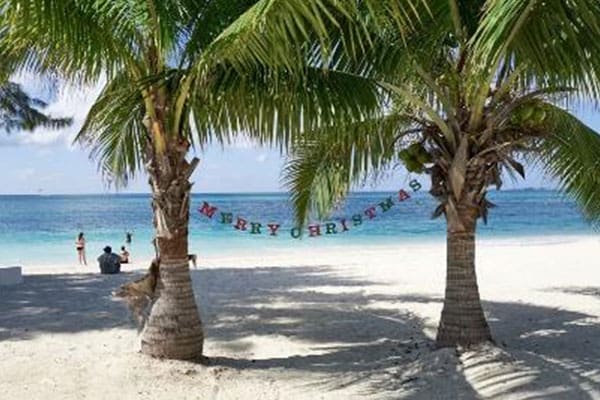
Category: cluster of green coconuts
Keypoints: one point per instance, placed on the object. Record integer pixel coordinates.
(415, 157)
(529, 115)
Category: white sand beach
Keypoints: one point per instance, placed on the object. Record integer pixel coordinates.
(339, 323)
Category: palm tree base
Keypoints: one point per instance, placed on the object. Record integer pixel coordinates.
(174, 328)
(466, 335)
(462, 322)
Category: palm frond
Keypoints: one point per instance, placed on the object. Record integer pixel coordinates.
(571, 154)
(327, 162)
(271, 107)
(69, 36)
(19, 111)
(207, 20)
(114, 132)
(82, 40)
(555, 39)
(275, 32)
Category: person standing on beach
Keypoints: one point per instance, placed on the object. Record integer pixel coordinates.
(128, 236)
(80, 247)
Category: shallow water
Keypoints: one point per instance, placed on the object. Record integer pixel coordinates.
(42, 229)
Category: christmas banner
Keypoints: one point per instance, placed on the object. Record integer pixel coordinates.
(344, 224)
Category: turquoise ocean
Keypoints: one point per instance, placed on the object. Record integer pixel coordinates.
(40, 230)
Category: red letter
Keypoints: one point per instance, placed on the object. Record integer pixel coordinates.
(273, 228)
(402, 195)
(314, 230)
(241, 224)
(370, 212)
(207, 209)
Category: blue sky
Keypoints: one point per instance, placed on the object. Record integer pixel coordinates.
(44, 161)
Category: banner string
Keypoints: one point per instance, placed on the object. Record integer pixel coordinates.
(343, 224)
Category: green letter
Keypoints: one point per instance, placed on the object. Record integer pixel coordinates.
(386, 205)
(226, 218)
(330, 226)
(255, 227)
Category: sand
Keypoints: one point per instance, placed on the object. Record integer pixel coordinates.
(338, 323)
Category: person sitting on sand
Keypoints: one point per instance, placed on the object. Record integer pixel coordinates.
(124, 255)
(110, 263)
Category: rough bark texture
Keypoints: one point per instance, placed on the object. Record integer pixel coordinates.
(462, 322)
(174, 329)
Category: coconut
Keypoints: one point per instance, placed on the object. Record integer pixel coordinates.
(539, 116)
(526, 113)
(413, 165)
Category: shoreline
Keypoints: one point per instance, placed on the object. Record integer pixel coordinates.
(266, 254)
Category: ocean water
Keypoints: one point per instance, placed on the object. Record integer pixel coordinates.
(38, 230)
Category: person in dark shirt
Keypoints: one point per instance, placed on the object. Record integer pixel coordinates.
(110, 263)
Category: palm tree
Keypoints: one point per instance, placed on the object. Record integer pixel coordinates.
(143, 118)
(465, 90)
(173, 80)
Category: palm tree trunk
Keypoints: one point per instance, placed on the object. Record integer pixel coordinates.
(174, 329)
(462, 322)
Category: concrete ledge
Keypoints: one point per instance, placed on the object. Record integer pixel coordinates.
(10, 276)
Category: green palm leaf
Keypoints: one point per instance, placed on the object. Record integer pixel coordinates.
(19, 111)
(274, 32)
(272, 108)
(571, 154)
(556, 39)
(113, 130)
(327, 162)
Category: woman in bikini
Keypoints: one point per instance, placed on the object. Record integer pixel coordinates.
(80, 247)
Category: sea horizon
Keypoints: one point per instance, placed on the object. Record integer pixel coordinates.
(244, 192)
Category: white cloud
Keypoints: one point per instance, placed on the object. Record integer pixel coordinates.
(68, 102)
(261, 158)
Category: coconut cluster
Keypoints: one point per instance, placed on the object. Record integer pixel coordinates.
(414, 157)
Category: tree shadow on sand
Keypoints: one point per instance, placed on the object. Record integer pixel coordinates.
(542, 352)
(342, 332)
(549, 353)
(61, 303)
(349, 339)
